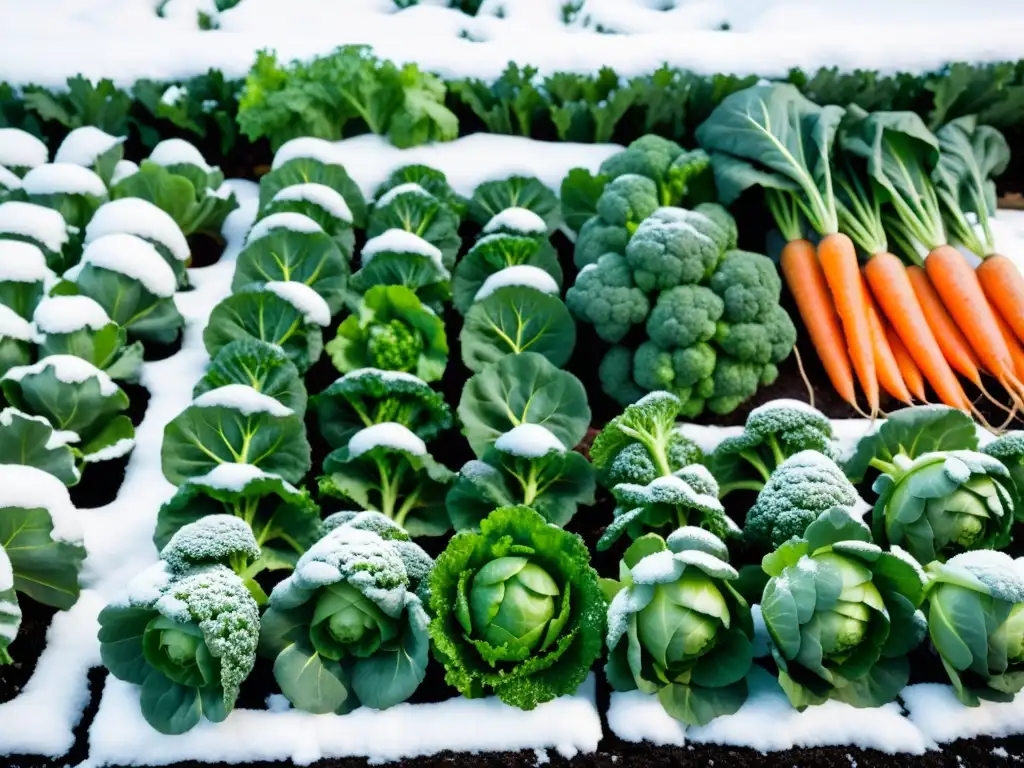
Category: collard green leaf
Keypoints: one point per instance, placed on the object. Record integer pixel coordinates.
(107, 348)
(306, 170)
(130, 304)
(493, 253)
(264, 367)
(44, 569)
(493, 197)
(430, 281)
(417, 211)
(310, 682)
(579, 194)
(28, 441)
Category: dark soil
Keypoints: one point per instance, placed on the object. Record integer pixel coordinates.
(206, 250)
(26, 648)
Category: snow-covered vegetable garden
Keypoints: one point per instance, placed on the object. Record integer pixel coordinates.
(370, 408)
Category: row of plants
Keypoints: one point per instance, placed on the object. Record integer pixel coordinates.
(281, 101)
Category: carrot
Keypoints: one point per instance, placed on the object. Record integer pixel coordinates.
(838, 260)
(1004, 288)
(888, 369)
(806, 282)
(954, 346)
(1013, 344)
(911, 373)
(891, 287)
(960, 290)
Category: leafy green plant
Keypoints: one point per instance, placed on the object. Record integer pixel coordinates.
(32, 442)
(259, 313)
(386, 468)
(975, 607)
(411, 208)
(310, 258)
(45, 228)
(22, 289)
(359, 636)
(186, 629)
(841, 614)
(526, 466)
(281, 103)
(369, 396)
(204, 106)
(943, 503)
(493, 253)
(392, 331)
(84, 103)
(587, 108)
(398, 257)
(517, 609)
(235, 424)
(321, 204)
(16, 340)
(523, 389)
(74, 396)
(301, 168)
(492, 197)
(257, 364)
(71, 190)
(430, 179)
(1009, 449)
(78, 326)
(285, 521)
(510, 105)
(516, 318)
(677, 628)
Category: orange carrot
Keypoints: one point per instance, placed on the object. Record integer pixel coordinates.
(806, 282)
(954, 346)
(888, 369)
(891, 287)
(1004, 287)
(960, 290)
(1013, 344)
(911, 373)
(838, 260)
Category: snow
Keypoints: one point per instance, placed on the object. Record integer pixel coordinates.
(42, 224)
(68, 369)
(242, 398)
(173, 95)
(306, 147)
(20, 149)
(84, 145)
(401, 241)
(231, 477)
(935, 710)
(113, 451)
(123, 170)
(131, 256)
(520, 274)
(307, 301)
(67, 314)
(22, 263)
(521, 220)
(31, 488)
(14, 326)
(63, 178)
(385, 375)
(178, 152)
(531, 441)
(319, 194)
(135, 216)
(410, 188)
(294, 222)
(388, 435)
(8, 180)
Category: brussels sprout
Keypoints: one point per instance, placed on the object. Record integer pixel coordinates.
(943, 503)
(677, 627)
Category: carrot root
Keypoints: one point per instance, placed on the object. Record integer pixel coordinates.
(1003, 285)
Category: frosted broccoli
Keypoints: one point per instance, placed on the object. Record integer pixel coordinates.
(664, 254)
(211, 540)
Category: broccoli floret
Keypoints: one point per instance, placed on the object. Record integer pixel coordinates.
(690, 177)
(652, 369)
(393, 346)
(615, 374)
(686, 373)
(781, 333)
(798, 491)
(665, 254)
(749, 285)
(596, 238)
(627, 201)
(649, 156)
(747, 342)
(720, 215)
(734, 382)
(605, 296)
(683, 316)
(698, 221)
(693, 367)
(773, 432)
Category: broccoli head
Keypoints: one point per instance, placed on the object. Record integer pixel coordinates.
(721, 216)
(596, 238)
(685, 373)
(616, 375)
(690, 178)
(734, 382)
(627, 201)
(393, 346)
(664, 254)
(683, 316)
(798, 491)
(703, 224)
(773, 432)
(749, 285)
(605, 296)
(675, 172)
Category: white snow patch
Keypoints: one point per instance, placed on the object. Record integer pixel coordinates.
(410, 188)
(42, 224)
(524, 275)
(20, 149)
(307, 301)
(63, 178)
(386, 375)
(8, 180)
(387, 435)
(531, 441)
(320, 195)
(135, 216)
(114, 451)
(84, 145)
(401, 241)
(178, 152)
(521, 220)
(68, 369)
(940, 716)
(14, 326)
(32, 488)
(305, 147)
(232, 477)
(173, 95)
(131, 256)
(67, 314)
(22, 263)
(242, 398)
(293, 222)
(123, 170)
